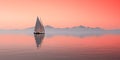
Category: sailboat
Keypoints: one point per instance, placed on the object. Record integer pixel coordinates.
(39, 28)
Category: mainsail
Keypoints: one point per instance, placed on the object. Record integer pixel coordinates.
(39, 28)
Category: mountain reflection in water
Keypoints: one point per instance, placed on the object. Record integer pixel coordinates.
(59, 47)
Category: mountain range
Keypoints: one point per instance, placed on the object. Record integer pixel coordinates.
(76, 31)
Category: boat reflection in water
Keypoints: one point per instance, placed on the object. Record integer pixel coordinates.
(39, 38)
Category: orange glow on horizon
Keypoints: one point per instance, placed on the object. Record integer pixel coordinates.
(20, 14)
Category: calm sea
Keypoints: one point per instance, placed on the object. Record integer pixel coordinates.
(59, 47)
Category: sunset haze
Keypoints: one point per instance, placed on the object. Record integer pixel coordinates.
(20, 14)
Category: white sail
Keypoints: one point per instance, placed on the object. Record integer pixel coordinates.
(39, 28)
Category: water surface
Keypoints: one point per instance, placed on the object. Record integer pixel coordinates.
(40, 47)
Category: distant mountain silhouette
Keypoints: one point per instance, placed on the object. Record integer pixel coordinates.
(73, 28)
(74, 31)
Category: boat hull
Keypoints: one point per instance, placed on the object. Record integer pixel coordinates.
(38, 33)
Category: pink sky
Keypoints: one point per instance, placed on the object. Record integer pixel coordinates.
(19, 14)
